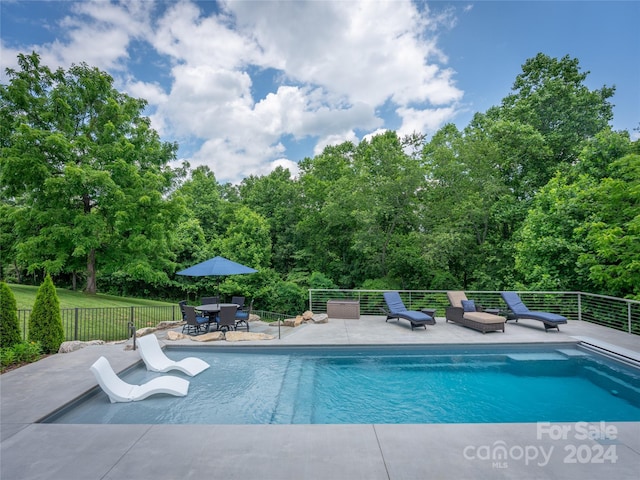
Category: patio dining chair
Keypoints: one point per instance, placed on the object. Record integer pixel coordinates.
(238, 301)
(227, 318)
(242, 317)
(194, 323)
(209, 300)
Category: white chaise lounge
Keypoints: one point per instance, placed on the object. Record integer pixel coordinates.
(121, 391)
(156, 360)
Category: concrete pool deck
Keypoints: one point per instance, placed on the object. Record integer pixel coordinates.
(31, 450)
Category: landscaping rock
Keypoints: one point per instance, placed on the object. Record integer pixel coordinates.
(73, 345)
(243, 336)
(320, 318)
(208, 337)
(145, 331)
(165, 325)
(171, 335)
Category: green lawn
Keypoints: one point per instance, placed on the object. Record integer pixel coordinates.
(96, 317)
(26, 296)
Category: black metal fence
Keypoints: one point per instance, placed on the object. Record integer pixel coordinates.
(108, 324)
(113, 323)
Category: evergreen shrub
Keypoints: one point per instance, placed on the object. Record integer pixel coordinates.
(45, 323)
(9, 324)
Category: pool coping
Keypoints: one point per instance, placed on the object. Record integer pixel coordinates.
(49, 451)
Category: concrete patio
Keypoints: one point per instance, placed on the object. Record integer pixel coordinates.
(31, 450)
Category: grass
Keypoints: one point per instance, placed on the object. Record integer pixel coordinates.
(26, 296)
(98, 317)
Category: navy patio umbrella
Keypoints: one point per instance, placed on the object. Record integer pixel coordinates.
(216, 266)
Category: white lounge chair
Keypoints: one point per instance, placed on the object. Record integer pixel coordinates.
(121, 391)
(156, 361)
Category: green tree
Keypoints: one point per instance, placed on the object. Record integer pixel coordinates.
(382, 201)
(276, 198)
(45, 322)
(88, 175)
(201, 194)
(550, 95)
(9, 324)
(320, 242)
(613, 234)
(246, 239)
(549, 242)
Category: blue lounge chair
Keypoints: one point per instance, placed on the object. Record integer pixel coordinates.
(520, 310)
(396, 309)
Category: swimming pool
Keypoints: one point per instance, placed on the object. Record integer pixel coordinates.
(391, 384)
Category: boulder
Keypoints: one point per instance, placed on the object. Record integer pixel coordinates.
(171, 335)
(145, 331)
(73, 345)
(208, 337)
(308, 315)
(243, 336)
(320, 318)
(165, 325)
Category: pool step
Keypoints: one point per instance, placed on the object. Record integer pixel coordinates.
(573, 353)
(614, 385)
(284, 409)
(536, 357)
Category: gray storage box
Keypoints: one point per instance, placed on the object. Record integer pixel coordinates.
(349, 309)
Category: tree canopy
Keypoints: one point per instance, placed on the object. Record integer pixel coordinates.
(536, 192)
(86, 176)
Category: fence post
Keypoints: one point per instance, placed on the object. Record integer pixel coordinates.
(629, 317)
(24, 325)
(579, 306)
(75, 323)
(131, 317)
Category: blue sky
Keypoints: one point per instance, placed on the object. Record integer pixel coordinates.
(245, 86)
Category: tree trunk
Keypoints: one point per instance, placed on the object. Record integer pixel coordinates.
(91, 272)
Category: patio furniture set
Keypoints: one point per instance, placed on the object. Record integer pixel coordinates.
(225, 316)
(469, 314)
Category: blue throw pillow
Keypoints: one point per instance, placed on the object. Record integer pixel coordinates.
(469, 305)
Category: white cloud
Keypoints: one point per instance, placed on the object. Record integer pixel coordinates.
(335, 139)
(423, 121)
(335, 64)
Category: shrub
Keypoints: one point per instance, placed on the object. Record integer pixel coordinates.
(45, 323)
(9, 324)
(23, 352)
(27, 351)
(7, 356)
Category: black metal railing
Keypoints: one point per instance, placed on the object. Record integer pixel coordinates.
(114, 323)
(618, 313)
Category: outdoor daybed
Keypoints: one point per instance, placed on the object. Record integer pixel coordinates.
(470, 315)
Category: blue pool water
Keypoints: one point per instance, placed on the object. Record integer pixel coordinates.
(334, 385)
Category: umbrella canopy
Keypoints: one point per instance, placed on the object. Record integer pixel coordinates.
(216, 266)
